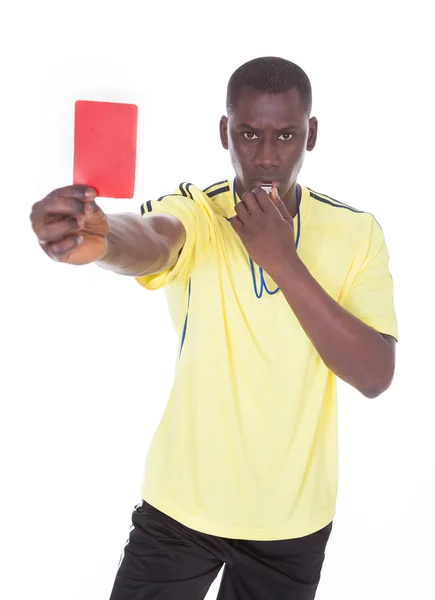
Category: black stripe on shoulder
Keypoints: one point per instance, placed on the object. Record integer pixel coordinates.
(333, 202)
(221, 190)
(210, 186)
(149, 203)
(149, 206)
(184, 189)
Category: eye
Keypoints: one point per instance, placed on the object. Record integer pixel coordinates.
(248, 135)
(285, 136)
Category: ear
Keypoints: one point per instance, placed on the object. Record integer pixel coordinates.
(223, 130)
(312, 133)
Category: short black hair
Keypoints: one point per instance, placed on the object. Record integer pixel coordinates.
(272, 75)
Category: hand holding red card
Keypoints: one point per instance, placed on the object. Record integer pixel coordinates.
(105, 139)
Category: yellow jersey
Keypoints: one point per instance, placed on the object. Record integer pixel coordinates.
(247, 444)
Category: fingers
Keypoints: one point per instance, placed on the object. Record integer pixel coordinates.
(54, 232)
(279, 204)
(242, 212)
(72, 201)
(274, 196)
(248, 207)
(57, 206)
(79, 192)
(58, 250)
(251, 201)
(58, 219)
(263, 198)
(237, 224)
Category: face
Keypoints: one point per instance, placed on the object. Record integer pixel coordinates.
(267, 136)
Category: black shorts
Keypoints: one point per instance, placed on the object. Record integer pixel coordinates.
(164, 560)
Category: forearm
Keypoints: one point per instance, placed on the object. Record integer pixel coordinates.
(351, 349)
(134, 247)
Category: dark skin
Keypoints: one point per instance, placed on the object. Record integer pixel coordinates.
(267, 135)
(72, 228)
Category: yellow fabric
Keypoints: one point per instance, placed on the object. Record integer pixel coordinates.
(247, 445)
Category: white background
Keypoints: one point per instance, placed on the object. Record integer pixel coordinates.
(88, 356)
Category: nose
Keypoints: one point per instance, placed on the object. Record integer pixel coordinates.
(267, 155)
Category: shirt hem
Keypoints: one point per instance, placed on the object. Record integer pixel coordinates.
(207, 527)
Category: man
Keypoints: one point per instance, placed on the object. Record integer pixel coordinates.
(274, 290)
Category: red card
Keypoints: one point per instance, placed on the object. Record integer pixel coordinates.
(105, 138)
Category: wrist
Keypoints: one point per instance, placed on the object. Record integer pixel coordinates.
(105, 253)
(288, 269)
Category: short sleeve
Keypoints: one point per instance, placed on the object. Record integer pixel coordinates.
(189, 205)
(371, 294)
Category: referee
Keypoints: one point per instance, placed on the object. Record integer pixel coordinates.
(275, 290)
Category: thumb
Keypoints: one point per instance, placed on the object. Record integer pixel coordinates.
(274, 196)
